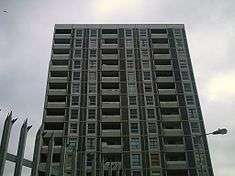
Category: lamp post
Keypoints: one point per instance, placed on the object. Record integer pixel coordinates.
(221, 131)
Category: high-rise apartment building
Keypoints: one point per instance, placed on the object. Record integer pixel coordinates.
(121, 99)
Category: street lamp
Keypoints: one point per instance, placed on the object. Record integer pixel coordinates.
(221, 131)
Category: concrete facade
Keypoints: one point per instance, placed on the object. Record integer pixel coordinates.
(121, 99)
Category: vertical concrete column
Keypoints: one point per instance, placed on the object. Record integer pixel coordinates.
(21, 148)
(50, 156)
(5, 141)
(36, 154)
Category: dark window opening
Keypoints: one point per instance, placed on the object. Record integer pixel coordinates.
(53, 126)
(110, 111)
(111, 126)
(43, 158)
(164, 73)
(109, 31)
(58, 74)
(160, 41)
(171, 125)
(166, 86)
(57, 86)
(161, 51)
(63, 31)
(109, 62)
(110, 74)
(59, 112)
(61, 41)
(109, 51)
(60, 51)
(169, 111)
(110, 98)
(56, 98)
(56, 158)
(167, 98)
(111, 140)
(175, 156)
(158, 31)
(173, 140)
(162, 62)
(59, 62)
(110, 85)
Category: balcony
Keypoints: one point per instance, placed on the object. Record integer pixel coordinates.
(60, 57)
(50, 118)
(56, 149)
(110, 91)
(176, 165)
(111, 133)
(103, 45)
(61, 46)
(59, 67)
(110, 104)
(166, 91)
(169, 104)
(163, 67)
(158, 35)
(174, 148)
(57, 92)
(170, 118)
(56, 105)
(57, 133)
(165, 79)
(110, 79)
(58, 79)
(111, 148)
(62, 36)
(172, 132)
(162, 56)
(109, 56)
(110, 67)
(111, 118)
(157, 45)
(109, 35)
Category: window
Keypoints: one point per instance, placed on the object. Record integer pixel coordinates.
(185, 75)
(130, 64)
(144, 53)
(92, 87)
(152, 128)
(135, 159)
(147, 75)
(91, 113)
(154, 159)
(133, 113)
(153, 143)
(187, 87)
(92, 100)
(92, 76)
(92, 64)
(183, 63)
(78, 53)
(93, 43)
(78, 43)
(189, 100)
(76, 76)
(73, 128)
(143, 32)
(149, 100)
(75, 87)
(93, 53)
(132, 88)
(128, 32)
(91, 128)
(90, 143)
(192, 113)
(135, 143)
(79, 33)
(131, 76)
(134, 128)
(77, 64)
(74, 114)
(145, 64)
(93, 33)
(129, 53)
(148, 87)
(143, 43)
(129, 42)
(90, 158)
(195, 127)
(150, 113)
(75, 100)
(136, 173)
(132, 100)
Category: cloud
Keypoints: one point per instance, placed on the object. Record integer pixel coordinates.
(222, 86)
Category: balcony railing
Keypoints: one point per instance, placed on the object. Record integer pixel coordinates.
(57, 92)
(166, 91)
(156, 45)
(109, 56)
(171, 118)
(162, 56)
(174, 147)
(110, 104)
(110, 79)
(163, 67)
(110, 67)
(110, 91)
(111, 118)
(59, 67)
(176, 164)
(158, 35)
(173, 132)
(111, 133)
(111, 148)
(50, 118)
(165, 79)
(61, 46)
(169, 104)
(62, 35)
(56, 104)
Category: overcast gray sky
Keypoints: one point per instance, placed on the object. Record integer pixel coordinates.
(25, 43)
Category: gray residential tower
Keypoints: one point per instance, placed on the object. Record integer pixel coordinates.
(121, 100)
